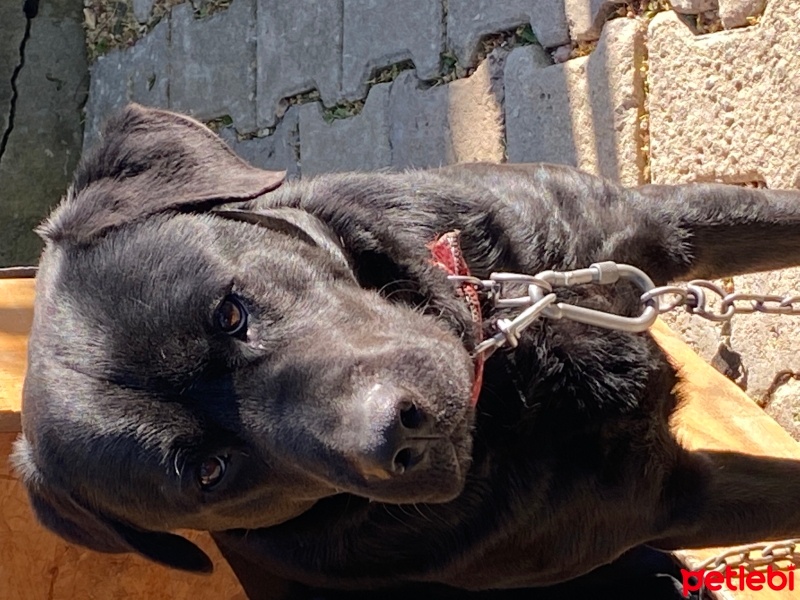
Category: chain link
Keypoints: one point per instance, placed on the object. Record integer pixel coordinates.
(699, 297)
(755, 556)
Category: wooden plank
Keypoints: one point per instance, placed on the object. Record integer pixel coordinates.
(16, 314)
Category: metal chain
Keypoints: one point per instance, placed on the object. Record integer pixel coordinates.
(753, 556)
(540, 300)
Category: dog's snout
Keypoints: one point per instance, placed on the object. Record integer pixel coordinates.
(399, 430)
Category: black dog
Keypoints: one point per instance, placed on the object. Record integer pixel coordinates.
(291, 370)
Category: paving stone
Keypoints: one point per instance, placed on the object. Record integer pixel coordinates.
(735, 13)
(142, 9)
(299, 49)
(45, 142)
(378, 33)
(12, 30)
(457, 122)
(783, 407)
(212, 64)
(356, 143)
(136, 74)
(584, 112)
(276, 152)
(693, 7)
(587, 17)
(468, 21)
(732, 118)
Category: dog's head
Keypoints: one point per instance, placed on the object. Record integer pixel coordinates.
(196, 366)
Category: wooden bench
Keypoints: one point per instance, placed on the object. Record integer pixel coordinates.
(35, 564)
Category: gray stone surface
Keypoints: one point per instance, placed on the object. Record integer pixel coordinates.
(587, 17)
(419, 133)
(785, 407)
(693, 7)
(44, 144)
(276, 152)
(468, 21)
(457, 122)
(357, 143)
(299, 49)
(584, 112)
(12, 30)
(142, 10)
(137, 74)
(212, 64)
(378, 33)
(735, 13)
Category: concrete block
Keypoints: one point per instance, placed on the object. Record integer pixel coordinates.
(584, 112)
(732, 116)
(45, 141)
(12, 30)
(212, 64)
(378, 33)
(468, 21)
(457, 122)
(276, 152)
(142, 9)
(693, 7)
(587, 17)
(355, 144)
(299, 49)
(736, 13)
(136, 74)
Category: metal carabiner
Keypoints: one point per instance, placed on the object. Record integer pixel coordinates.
(603, 273)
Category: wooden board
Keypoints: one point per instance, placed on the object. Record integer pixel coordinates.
(35, 564)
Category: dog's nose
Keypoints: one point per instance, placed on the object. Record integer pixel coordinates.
(398, 433)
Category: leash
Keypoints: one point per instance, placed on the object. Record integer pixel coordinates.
(540, 300)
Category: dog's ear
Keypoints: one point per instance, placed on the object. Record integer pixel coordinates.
(294, 222)
(77, 524)
(149, 161)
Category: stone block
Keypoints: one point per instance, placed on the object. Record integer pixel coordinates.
(12, 30)
(736, 13)
(586, 18)
(299, 49)
(136, 74)
(354, 144)
(584, 112)
(276, 152)
(213, 64)
(468, 21)
(732, 116)
(378, 33)
(457, 122)
(44, 144)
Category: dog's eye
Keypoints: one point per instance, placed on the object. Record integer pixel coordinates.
(230, 316)
(211, 471)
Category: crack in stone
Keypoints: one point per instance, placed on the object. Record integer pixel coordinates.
(30, 8)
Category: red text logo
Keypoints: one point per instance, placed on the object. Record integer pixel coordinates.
(737, 579)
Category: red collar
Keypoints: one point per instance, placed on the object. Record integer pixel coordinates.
(446, 254)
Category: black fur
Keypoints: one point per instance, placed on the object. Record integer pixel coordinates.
(567, 463)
